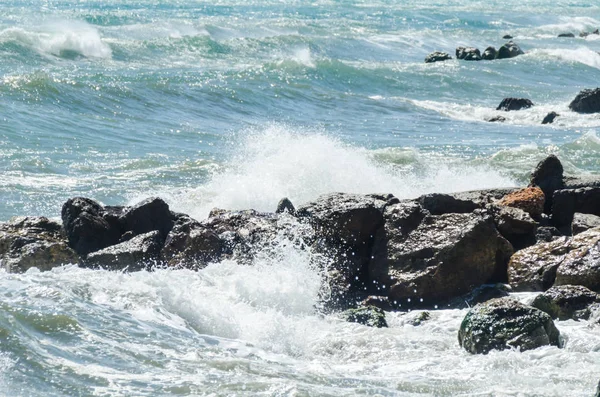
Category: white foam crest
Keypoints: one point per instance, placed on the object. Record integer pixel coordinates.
(284, 162)
(570, 25)
(582, 55)
(303, 56)
(61, 38)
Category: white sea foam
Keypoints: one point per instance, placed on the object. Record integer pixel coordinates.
(582, 55)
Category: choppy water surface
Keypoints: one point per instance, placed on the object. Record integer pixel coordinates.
(220, 104)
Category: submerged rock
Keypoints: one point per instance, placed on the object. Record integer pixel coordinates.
(507, 37)
(496, 119)
(468, 54)
(566, 302)
(27, 242)
(549, 119)
(505, 323)
(509, 50)
(511, 104)
(530, 200)
(437, 56)
(566, 35)
(370, 316)
(587, 101)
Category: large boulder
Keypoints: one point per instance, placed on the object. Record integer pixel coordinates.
(549, 118)
(583, 222)
(581, 265)
(529, 199)
(468, 54)
(516, 226)
(146, 216)
(27, 242)
(548, 176)
(140, 252)
(587, 101)
(566, 302)
(433, 258)
(489, 54)
(509, 104)
(505, 323)
(566, 202)
(437, 56)
(438, 204)
(509, 50)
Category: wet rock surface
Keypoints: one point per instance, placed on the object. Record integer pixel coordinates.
(566, 202)
(587, 101)
(140, 252)
(583, 222)
(530, 200)
(437, 56)
(566, 302)
(512, 104)
(370, 316)
(581, 265)
(505, 323)
(548, 176)
(516, 226)
(509, 50)
(549, 118)
(468, 54)
(489, 54)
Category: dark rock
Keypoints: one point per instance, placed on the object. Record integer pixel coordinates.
(497, 119)
(437, 56)
(438, 204)
(381, 302)
(566, 35)
(545, 234)
(481, 294)
(584, 34)
(345, 226)
(566, 302)
(140, 252)
(587, 101)
(27, 242)
(89, 226)
(420, 318)
(549, 119)
(548, 176)
(507, 37)
(433, 258)
(530, 200)
(146, 216)
(192, 245)
(285, 205)
(597, 390)
(509, 104)
(505, 323)
(370, 316)
(581, 264)
(566, 202)
(583, 222)
(468, 54)
(534, 268)
(596, 31)
(516, 226)
(509, 50)
(489, 54)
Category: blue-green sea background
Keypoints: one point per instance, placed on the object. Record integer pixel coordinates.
(236, 105)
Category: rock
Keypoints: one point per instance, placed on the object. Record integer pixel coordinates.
(509, 104)
(432, 258)
(499, 119)
(345, 226)
(584, 34)
(549, 119)
(438, 204)
(481, 294)
(547, 234)
(489, 54)
(89, 226)
(587, 101)
(27, 242)
(420, 318)
(566, 202)
(509, 50)
(146, 216)
(140, 252)
(381, 302)
(581, 264)
(505, 323)
(516, 226)
(507, 37)
(583, 222)
(437, 56)
(370, 316)
(596, 31)
(468, 54)
(530, 200)
(285, 205)
(597, 390)
(192, 245)
(566, 302)
(548, 176)
(566, 35)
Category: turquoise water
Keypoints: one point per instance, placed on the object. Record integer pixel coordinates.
(221, 104)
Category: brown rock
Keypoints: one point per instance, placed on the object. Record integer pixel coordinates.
(529, 199)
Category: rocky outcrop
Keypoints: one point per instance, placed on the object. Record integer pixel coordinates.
(369, 315)
(581, 265)
(489, 54)
(583, 222)
(468, 54)
(549, 118)
(509, 50)
(27, 242)
(423, 258)
(437, 56)
(587, 101)
(506, 324)
(516, 226)
(140, 252)
(566, 302)
(548, 176)
(511, 104)
(438, 204)
(566, 202)
(530, 200)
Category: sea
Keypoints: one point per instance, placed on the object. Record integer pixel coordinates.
(234, 105)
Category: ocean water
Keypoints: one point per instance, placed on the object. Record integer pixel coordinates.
(236, 105)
